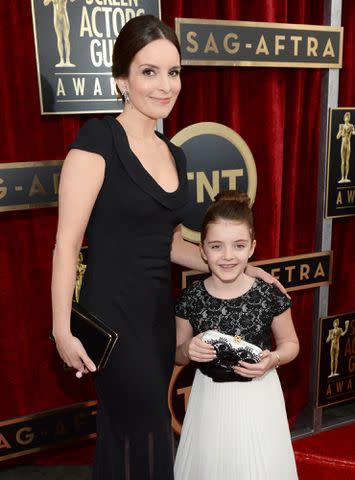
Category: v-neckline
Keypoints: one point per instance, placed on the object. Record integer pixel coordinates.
(149, 175)
(142, 177)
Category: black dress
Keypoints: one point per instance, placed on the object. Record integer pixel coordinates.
(127, 284)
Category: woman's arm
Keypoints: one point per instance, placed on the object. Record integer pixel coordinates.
(189, 347)
(81, 179)
(185, 253)
(257, 272)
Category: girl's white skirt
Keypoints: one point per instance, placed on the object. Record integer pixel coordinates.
(235, 431)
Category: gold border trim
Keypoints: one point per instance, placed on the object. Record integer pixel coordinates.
(81, 112)
(330, 112)
(213, 128)
(34, 23)
(251, 63)
(295, 26)
(27, 206)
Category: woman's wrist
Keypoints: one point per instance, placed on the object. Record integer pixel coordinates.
(276, 358)
(61, 333)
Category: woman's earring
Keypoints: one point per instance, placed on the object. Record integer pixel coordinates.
(125, 95)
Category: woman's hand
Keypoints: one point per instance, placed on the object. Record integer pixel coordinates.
(253, 370)
(257, 272)
(198, 350)
(73, 354)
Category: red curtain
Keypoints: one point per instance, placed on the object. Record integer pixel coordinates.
(275, 110)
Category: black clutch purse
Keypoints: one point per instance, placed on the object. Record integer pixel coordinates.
(97, 338)
(230, 350)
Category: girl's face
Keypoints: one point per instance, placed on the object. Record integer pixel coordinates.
(153, 82)
(227, 249)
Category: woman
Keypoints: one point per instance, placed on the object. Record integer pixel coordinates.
(126, 185)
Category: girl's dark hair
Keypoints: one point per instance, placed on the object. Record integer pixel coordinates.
(135, 35)
(229, 205)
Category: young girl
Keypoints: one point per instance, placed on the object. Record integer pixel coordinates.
(233, 429)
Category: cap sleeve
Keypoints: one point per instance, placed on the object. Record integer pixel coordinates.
(279, 302)
(182, 305)
(95, 137)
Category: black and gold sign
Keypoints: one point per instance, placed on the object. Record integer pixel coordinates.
(336, 364)
(74, 42)
(26, 185)
(340, 196)
(260, 44)
(295, 273)
(24, 435)
(217, 159)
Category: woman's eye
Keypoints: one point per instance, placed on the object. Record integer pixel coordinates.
(174, 73)
(215, 247)
(148, 72)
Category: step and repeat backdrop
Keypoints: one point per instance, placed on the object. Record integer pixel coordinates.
(73, 45)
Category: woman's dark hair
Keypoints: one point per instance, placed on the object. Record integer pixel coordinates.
(229, 205)
(135, 35)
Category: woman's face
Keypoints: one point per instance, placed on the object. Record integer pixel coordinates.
(153, 82)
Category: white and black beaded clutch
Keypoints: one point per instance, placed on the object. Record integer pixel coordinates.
(231, 350)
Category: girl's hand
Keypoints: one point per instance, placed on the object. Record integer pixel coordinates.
(198, 350)
(253, 370)
(73, 353)
(257, 272)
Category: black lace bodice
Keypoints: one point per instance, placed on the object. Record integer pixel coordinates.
(249, 315)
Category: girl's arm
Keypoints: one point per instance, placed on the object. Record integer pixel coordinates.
(287, 348)
(189, 347)
(81, 179)
(287, 345)
(188, 255)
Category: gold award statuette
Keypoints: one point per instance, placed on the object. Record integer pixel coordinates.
(334, 335)
(345, 131)
(61, 26)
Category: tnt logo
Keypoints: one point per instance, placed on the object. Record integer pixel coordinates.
(217, 159)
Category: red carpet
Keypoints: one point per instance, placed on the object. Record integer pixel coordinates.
(328, 455)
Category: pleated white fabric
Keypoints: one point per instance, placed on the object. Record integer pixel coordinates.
(236, 431)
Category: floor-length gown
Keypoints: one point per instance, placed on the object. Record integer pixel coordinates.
(127, 285)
